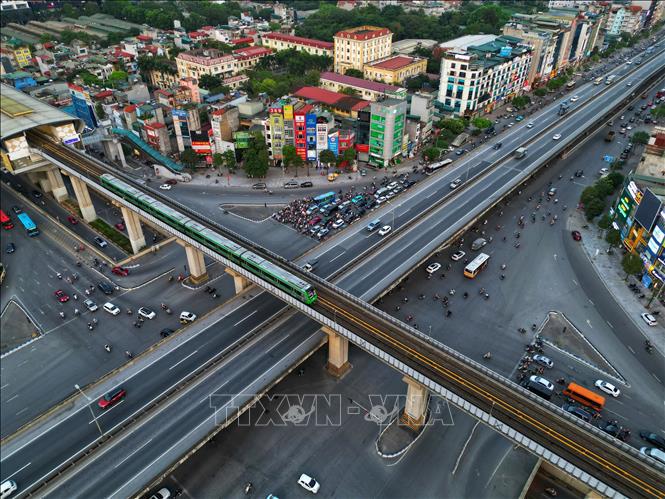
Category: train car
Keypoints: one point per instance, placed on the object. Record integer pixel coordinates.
(228, 248)
(279, 277)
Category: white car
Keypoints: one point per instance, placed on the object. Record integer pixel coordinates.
(111, 308)
(649, 319)
(186, 317)
(530, 124)
(543, 361)
(162, 493)
(510, 125)
(338, 223)
(542, 381)
(603, 172)
(165, 187)
(458, 255)
(608, 388)
(574, 98)
(7, 488)
(90, 305)
(455, 183)
(629, 84)
(433, 267)
(556, 136)
(308, 483)
(385, 230)
(147, 313)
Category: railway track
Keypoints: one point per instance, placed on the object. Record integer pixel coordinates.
(542, 422)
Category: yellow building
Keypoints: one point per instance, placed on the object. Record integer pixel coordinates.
(280, 41)
(356, 47)
(18, 56)
(200, 62)
(395, 69)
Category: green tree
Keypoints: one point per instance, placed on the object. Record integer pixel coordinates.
(256, 160)
(99, 111)
(588, 194)
(327, 157)
(209, 81)
(640, 138)
(605, 222)
(659, 112)
(265, 13)
(594, 208)
(69, 11)
(348, 91)
(274, 26)
(189, 158)
(613, 237)
(481, 123)
(45, 38)
(540, 92)
(631, 264)
(354, 72)
(218, 161)
(349, 156)
(289, 155)
(116, 77)
(89, 79)
(521, 101)
(616, 179)
(230, 160)
(456, 126)
(431, 153)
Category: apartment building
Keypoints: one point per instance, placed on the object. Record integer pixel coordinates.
(157, 137)
(196, 63)
(368, 90)
(224, 122)
(280, 41)
(483, 76)
(18, 55)
(395, 69)
(249, 57)
(355, 47)
(387, 131)
(624, 19)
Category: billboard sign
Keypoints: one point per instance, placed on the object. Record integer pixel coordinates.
(241, 139)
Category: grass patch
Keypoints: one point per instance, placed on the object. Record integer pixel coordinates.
(111, 234)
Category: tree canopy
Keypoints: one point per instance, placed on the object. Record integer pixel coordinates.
(256, 159)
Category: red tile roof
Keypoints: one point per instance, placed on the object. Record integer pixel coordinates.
(130, 109)
(299, 40)
(238, 41)
(103, 94)
(363, 33)
(144, 38)
(352, 81)
(397, 62)
(334, 99)
(250, 52)
(197, 34)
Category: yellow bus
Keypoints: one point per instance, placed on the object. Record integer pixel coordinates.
(598, 80)
(585, 397)
(476, 265)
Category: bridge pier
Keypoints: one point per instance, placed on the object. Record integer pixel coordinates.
(134, 229)
(239, 281)
(56, 184)
(338, 353)
(196, 263)
(113, 150)
(83, 197)
(417, 400)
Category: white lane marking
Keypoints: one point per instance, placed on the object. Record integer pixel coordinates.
(22, 410)
(18, 471)
(575, 282)
(505, 455)
(433, 194)
(338, 256)
(610, 324)
(657, 379)
(4, 386)
(592, 303)
(242, 320)
(589, 323)
(132, 453)
(106, 411)
(631, 350)
(9, 400)
(182, 360)
(459, 458)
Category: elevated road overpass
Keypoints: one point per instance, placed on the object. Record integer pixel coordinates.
(412, 353)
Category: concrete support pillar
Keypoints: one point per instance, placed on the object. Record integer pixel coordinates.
(196, 263)
(134, 229)
(113, 150)
(338, 353)
(417, 400)
(83, 198)
(239, 281)
(57, 185)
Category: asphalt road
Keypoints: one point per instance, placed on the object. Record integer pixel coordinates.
(108, 482)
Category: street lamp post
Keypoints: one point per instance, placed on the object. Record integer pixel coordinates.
(94, 418)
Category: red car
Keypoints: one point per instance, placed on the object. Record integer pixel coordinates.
(112, 398)
(171, 181)
(72, 220)
(61, 296)
(117, 270)
(576, 235)
(120, 226)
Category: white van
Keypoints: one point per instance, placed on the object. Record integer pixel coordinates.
(7, 488)
(657, 454)
(111, 308)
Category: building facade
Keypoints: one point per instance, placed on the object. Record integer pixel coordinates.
(483, 76)
(624, 19)
(395, 69)
(368, 90)
(157, 137)
(355, 47)
(386, 131)
(194, 64)
(280, 41)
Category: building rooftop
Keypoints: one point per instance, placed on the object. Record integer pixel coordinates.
(21, 112)
(352, 81)
(465, 41)
(249, 52)
(300, 40)
(330, 98)
(394, 62)
(363, 32)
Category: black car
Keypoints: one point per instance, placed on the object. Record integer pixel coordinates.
(306, 184)
(610, 428)
(166, 332)
(17, 210)
(37, 194)
(653, 439)
(105, 288)
(497, 145)
(579, 173)
(10, 248)
(577, 411)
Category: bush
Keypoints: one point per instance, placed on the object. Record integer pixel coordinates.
(640, 138)
(521, 101)
(441, 143)
(431, 153)
(112, 234)
(594, 208)
(481, 123)
(540, 92)
(475, 132)
(454, 125)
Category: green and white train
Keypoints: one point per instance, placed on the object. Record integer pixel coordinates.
(239, 255)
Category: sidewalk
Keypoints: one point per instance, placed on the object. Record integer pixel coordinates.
(611, 273)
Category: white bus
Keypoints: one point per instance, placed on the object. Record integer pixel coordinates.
(430, 169)
(476, 265)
